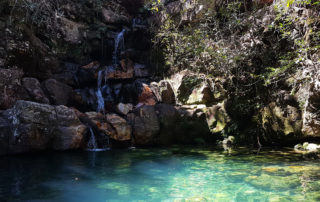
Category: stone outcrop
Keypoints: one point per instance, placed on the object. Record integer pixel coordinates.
(35, 126)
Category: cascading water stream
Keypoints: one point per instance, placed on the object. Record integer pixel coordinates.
(118, 47)
(92, 144)
(100, 98)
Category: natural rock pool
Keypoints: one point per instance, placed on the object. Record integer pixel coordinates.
(174, 174)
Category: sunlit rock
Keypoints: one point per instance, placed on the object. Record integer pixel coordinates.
(124, 108)
(281, 122)
(123, 129)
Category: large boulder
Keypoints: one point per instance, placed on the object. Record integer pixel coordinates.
(10, 87)
(36, 126)
(146, 125)
(111, 125)
(123, 129)
(168, 117)
(33, 87)
(192, 127)
(59, 93)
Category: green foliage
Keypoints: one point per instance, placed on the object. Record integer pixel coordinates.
(188, 47)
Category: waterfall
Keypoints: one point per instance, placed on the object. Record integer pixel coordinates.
(118, 46)
(92, 144)
(100, 98)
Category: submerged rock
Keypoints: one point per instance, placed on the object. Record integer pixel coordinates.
(269, 183)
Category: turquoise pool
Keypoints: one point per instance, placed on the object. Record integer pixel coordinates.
(170, 174)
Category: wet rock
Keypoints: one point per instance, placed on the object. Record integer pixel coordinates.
(166, 92)
(124, 108)
(110, 17)
(98, 122)
(33, 87)
(58, 93)
(146, 125)
(123, 129)
(36, 126)
(10, 87)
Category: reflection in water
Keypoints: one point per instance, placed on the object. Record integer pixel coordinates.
(160, 174)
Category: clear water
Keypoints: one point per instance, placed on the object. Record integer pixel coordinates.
(173, 174)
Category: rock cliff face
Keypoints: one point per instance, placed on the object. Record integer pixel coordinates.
(84, 72)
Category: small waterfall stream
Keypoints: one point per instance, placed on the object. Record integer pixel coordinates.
(92, 144)
(99, 95)
(118, 47)
(103, 74)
